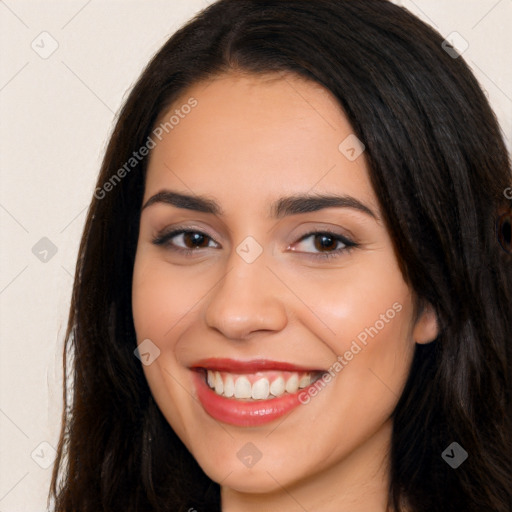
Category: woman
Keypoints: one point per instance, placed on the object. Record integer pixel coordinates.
(275, 370)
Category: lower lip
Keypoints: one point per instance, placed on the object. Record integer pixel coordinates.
(241, 413)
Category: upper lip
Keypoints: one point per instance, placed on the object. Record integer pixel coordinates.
(254, 365)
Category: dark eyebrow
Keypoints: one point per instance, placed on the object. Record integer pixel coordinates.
(283, 207)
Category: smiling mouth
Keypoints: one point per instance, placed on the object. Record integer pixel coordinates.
(261, 385)
(250, 393)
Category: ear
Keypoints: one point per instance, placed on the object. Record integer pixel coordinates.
(426, 328)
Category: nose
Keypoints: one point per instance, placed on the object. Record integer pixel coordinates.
(247, 298)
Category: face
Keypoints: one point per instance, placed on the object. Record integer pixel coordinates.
(277, 327)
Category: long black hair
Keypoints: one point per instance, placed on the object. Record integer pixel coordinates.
(439, 168)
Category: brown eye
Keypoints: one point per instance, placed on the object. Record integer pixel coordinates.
(195, 238)
(325, 244)
(184, 240)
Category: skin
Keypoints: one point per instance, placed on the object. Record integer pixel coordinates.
(249, 141)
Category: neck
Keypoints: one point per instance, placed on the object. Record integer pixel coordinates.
(358, 483)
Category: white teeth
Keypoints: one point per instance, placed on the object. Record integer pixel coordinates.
(232, 386)
(229, 386)
(243, 388)
(219, 385)
(305, 381)
(292, 385)
(277, 387)
(260, 389)
(211, 379)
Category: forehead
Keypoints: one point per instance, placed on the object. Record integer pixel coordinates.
(257, 136)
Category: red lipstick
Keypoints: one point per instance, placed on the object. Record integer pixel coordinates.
(255, 365)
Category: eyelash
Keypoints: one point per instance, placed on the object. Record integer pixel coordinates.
(164, 239)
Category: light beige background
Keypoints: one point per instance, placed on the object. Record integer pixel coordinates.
(56, 115)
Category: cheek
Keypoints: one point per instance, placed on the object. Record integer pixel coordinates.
(364, 316)
(160, 304)
(365, 301)
(159, 301)
(161, 296)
